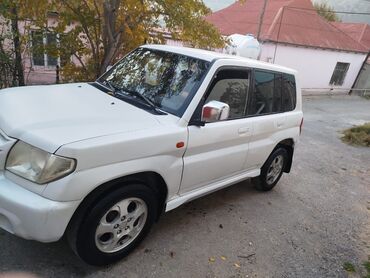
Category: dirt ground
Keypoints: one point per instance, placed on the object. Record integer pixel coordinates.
(314, 221)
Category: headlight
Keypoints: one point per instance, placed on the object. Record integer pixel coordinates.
(37, 165)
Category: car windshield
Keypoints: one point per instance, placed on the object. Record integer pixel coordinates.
(167, 80)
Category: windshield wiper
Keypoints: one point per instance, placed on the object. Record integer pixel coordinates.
(117, 91)
(142, 97)
(110, 86)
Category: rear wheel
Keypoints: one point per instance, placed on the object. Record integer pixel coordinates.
(115, 225)
(272, 170)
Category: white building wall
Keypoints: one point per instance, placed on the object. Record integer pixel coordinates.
(315, 66)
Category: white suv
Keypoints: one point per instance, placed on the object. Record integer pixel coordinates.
(101, 161)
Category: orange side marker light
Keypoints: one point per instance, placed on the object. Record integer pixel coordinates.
(179, 145)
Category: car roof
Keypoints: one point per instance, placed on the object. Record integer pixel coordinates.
(212, 55)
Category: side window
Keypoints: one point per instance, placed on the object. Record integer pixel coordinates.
(277, 102)
(262, 101)
(231, 86)
(273, 93)
(288, 93)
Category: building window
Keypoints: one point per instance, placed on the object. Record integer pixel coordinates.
(339, 74)
(40, 42)
(38, 48)
(51, 42)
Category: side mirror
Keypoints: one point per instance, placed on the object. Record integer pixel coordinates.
(215, 111)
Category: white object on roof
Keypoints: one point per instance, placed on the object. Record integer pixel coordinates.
(243, 45)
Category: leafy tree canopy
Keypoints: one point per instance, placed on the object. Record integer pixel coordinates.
(93, 34)
(96, 33)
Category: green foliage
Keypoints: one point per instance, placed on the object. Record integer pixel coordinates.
(359, 135)
(6, 66)
(12, 43)
(6, 53)
(326, 11)
(96, 33)
(349, 267)
(105, 30)
(367, 267)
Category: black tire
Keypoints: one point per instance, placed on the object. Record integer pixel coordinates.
(261, 182)
(82, 238)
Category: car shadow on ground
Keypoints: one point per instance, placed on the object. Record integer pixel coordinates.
(57, 259)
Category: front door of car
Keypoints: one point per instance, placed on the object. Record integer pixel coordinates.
(218, 149)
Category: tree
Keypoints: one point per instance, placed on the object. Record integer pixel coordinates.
(9, 17)
(18, 74)
(12, 43)
(326, 11)
(98, 32)
(6, 56)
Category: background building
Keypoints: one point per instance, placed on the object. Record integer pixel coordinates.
(328, 56)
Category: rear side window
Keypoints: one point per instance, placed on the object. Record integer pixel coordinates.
(266, 97)
(273, 93)
(288, 93)
(277, 101)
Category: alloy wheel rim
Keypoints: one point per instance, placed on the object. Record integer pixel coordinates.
(275, 169)
(120, 225)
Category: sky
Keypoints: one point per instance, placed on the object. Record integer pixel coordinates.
(362, 6)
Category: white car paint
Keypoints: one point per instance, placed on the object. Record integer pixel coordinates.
(54, 115)
(110, 138)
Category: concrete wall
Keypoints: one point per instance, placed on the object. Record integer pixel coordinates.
(315, 66)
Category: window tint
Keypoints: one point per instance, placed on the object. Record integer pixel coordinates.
(231, 87)
(169, 80)
(273, 93)
(288, 93)
(339, 74)
(277, 101)
(263, 95)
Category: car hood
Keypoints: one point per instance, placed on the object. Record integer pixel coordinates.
(54, 115)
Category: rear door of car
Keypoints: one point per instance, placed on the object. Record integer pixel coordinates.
(269, 101)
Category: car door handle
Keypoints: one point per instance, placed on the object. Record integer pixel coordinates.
(243, 130)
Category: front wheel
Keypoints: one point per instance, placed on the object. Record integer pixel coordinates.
(272, 170)
(115, 225)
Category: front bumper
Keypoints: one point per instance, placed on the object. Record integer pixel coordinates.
(32, 216)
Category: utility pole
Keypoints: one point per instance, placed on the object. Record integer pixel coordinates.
(260, 22)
